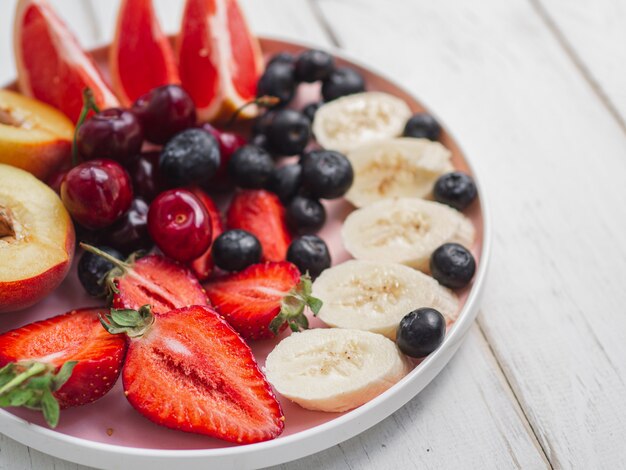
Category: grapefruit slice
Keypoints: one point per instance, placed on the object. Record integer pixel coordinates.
(141, 57)
(219, 59)
(51, 65)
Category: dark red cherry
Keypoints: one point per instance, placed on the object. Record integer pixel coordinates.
(146, 176)
(130, 232)
(164, 112)
(97, 193)
(229, 142)
(180, 225)
(114, 133)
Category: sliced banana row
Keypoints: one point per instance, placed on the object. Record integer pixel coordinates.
(334, 369)
(401, 167)
(374, 296)
(404, 230)
(346, 123)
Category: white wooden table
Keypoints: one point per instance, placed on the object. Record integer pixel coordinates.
(535, 90)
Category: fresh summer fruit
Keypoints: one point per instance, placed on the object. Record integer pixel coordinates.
(229, 143)
(263, 299)
(455, 189)
(314, 65)
(305, 215)
(422, 126)
(36, 239)
(326, 174)
(141, 57)
(187, 369)
(93, 269)
(203, 266)
(261, 213)
(453, 265)
(250, 167)
(152, 280)
(342, 81)
(310, 254)
(421, 332)
(147, 180)
(282, 57)
(33, 135)
(278, 81)
(236, 249)
(404, 230)
(180, 225)
(219, 58)
(67, 360)
(288, 132)
(285, 182)
(164, 112)
(311, 109)
(129, 233)
(400, 167)
(51, 66)
(332, 369)
(190, 157)
(375, 295)
(97, 193)
(354, 120)
(113, 133)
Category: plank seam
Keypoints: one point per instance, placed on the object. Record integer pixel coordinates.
(521, 409)
(324, 24)
(561, 39)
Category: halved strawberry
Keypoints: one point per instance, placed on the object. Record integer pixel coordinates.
(152, 280)
(260, 301)
(189, 370)
(261, 213)
(67, 360)
(203, 266)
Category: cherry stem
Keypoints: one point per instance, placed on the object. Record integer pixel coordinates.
(111, 259)
(35, 369)
(264, 101)
(89, 104)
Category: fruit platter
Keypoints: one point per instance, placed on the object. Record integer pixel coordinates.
(218, 249)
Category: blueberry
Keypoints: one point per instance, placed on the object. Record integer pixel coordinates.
(259, 140)
(262, 122)
(421, 332)
(235, 250)
(452, 265)
(422, 126)
(455, 189)
(305, 215)
(250, 167)
(314, 65)
(288, 133)
(343, 81)
(310, 254)
(278, 80)
(285, 182)
(190, 157)
(92, 270)
(281, 58)
(326, 174)
(310, 109)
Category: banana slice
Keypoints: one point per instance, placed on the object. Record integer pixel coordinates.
(402, 167)
(404, 230)
(348, 122)
(332, 369)
(374, 296)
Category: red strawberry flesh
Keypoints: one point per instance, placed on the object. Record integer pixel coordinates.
(74, 336)
(192, 372)
(251, 299)
(261, 213)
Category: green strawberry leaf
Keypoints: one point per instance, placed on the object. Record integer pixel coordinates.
(50, 408)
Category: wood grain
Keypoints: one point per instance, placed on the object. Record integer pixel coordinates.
(552, 159)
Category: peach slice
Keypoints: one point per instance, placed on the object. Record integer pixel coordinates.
(33, 135)
(36, 239)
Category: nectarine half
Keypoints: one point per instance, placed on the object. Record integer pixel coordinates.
(36, 239)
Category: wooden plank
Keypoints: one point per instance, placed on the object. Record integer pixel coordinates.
(595, 36)
(552, 161)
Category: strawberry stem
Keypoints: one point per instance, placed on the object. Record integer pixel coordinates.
(89, 104)
(35, 368)
(264, 101)
(293, 305)
(133, 323)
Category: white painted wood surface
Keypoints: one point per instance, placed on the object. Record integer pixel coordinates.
(533, 89)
